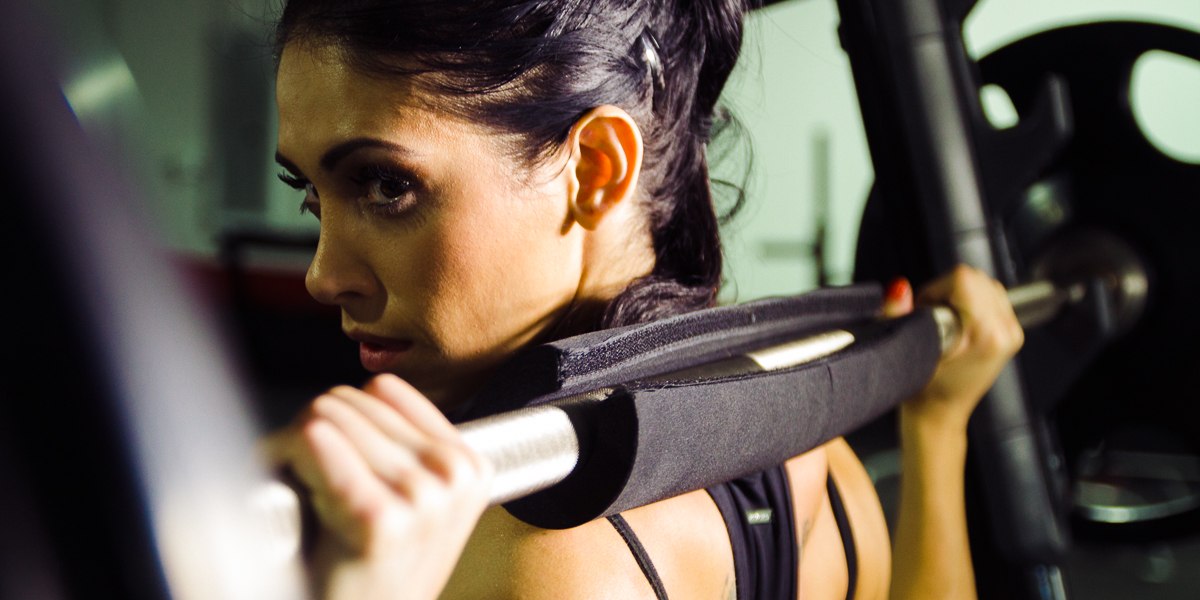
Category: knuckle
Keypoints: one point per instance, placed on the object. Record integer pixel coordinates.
(340, 390)
(989, 341)
(1018, 334)
(308, 430)
(322, 404)
(453, 465)
(396, 471)
(425, 491)
(392, 385)
(365, 507)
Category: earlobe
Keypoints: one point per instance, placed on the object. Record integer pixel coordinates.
(608, 150)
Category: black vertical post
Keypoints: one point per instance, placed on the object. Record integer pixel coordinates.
(822, 204)
(921, 111)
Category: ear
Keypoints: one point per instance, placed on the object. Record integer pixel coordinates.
(607, 156)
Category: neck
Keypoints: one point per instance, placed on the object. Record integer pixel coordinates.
(615, 254)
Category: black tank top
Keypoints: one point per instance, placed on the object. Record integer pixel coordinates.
(757, 511)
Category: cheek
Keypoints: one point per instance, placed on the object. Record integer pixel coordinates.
(498, 271)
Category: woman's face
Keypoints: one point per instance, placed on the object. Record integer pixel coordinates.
(444, 254)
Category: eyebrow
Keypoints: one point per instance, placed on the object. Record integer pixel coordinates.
(334, 155)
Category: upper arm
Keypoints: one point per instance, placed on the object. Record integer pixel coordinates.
(506, 559)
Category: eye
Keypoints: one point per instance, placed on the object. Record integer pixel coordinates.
(386, 191)
(311, 202)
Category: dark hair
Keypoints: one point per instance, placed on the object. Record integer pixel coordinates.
(534, 67)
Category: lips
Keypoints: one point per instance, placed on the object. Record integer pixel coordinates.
(379, 354)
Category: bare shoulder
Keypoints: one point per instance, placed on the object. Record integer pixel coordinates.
(508, 559)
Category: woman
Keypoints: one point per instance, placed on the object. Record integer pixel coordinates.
(489, 175)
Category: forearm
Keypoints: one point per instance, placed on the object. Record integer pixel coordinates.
(931, 552)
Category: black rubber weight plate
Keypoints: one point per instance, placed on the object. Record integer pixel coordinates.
(1118, 181)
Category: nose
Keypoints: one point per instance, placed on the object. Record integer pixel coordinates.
(338, 274)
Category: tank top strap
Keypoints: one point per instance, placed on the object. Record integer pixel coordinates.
(639, 554)
(843, 525)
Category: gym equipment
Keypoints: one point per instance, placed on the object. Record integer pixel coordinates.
(1076, 161)
(1110, 176)
(635, 415)
(605, 422)
(662, 414)
(937, 161)
(125, 453)
(155, 465)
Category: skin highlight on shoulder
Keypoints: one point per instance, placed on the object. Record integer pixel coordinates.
(507, 559)
(684, 537)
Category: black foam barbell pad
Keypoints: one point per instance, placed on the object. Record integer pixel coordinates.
(642, 445)
(617, 356)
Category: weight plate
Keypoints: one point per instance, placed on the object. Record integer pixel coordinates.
(1110, 177)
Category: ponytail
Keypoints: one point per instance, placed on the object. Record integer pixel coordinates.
(687, 244)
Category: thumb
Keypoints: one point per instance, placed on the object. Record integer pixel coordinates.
(899, 299)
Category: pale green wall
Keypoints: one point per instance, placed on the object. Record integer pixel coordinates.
(791, 88)
(165, 110)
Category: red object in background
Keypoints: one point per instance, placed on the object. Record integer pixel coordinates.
(290, 346)
(273, 289)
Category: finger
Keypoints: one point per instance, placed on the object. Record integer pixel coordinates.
(349, 493)
(967, 290)
(970, 293)
(422, 475)
(383, 415)
(1009, 310)
(940, 290)
(397, 465)
(442, 453)
(414, 406)
(275, 448)
(278, 447)
(989, 324)
(899, 299)
(457, 465)
(451, 461)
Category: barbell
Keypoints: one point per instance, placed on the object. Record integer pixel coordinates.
(639, 435)
(140, 455)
